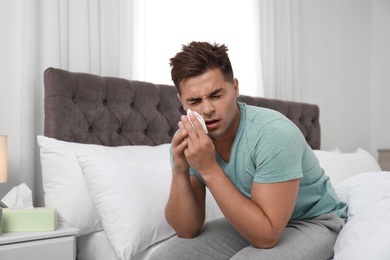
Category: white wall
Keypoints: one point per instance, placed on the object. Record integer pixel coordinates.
(345, 70)
(16, 99)
(380, 75)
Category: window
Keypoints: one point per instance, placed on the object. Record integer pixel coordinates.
(162, 27)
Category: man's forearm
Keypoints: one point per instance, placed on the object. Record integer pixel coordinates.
(183, 211)
(244, 214)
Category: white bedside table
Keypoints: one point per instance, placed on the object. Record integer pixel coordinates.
(59, 245)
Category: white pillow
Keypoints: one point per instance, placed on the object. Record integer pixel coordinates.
(130, 194)
(340, 166)
(334, 150)
(64, 185)
(366, 233)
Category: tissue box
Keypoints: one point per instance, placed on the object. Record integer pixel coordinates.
(26, 220)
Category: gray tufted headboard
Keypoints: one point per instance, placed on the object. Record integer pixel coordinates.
(86, 108)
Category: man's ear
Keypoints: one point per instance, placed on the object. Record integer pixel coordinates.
(236, 88)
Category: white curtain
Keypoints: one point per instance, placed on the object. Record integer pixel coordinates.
(78, 35)
(279, 37)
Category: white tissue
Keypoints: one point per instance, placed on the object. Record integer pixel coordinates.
(200, 119)
(19, 197)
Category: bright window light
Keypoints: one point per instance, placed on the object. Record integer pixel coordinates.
(163, 26)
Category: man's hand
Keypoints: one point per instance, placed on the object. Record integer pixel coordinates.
(180, 164)
(199, 150)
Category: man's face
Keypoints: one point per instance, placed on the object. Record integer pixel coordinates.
(214, 99)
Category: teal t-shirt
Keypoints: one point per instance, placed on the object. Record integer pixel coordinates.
(269, 148)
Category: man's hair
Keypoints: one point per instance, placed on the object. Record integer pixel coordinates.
(198, 57)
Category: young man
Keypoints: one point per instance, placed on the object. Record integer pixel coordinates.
(277, 202)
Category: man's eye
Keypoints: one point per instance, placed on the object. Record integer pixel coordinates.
(194, 102)
(216, 96)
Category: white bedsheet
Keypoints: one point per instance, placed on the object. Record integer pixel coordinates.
(96, 246)
(366, 234)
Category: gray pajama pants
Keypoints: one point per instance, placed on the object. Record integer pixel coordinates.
(311, 239)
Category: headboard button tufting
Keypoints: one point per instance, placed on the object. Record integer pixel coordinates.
(71, 111)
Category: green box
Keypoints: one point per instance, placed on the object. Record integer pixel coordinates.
(26, 220)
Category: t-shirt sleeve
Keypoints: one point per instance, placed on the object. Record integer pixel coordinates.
(278, 152)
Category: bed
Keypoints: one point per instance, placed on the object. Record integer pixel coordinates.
(105, 167)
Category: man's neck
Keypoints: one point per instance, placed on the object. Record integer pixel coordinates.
(223, 144)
